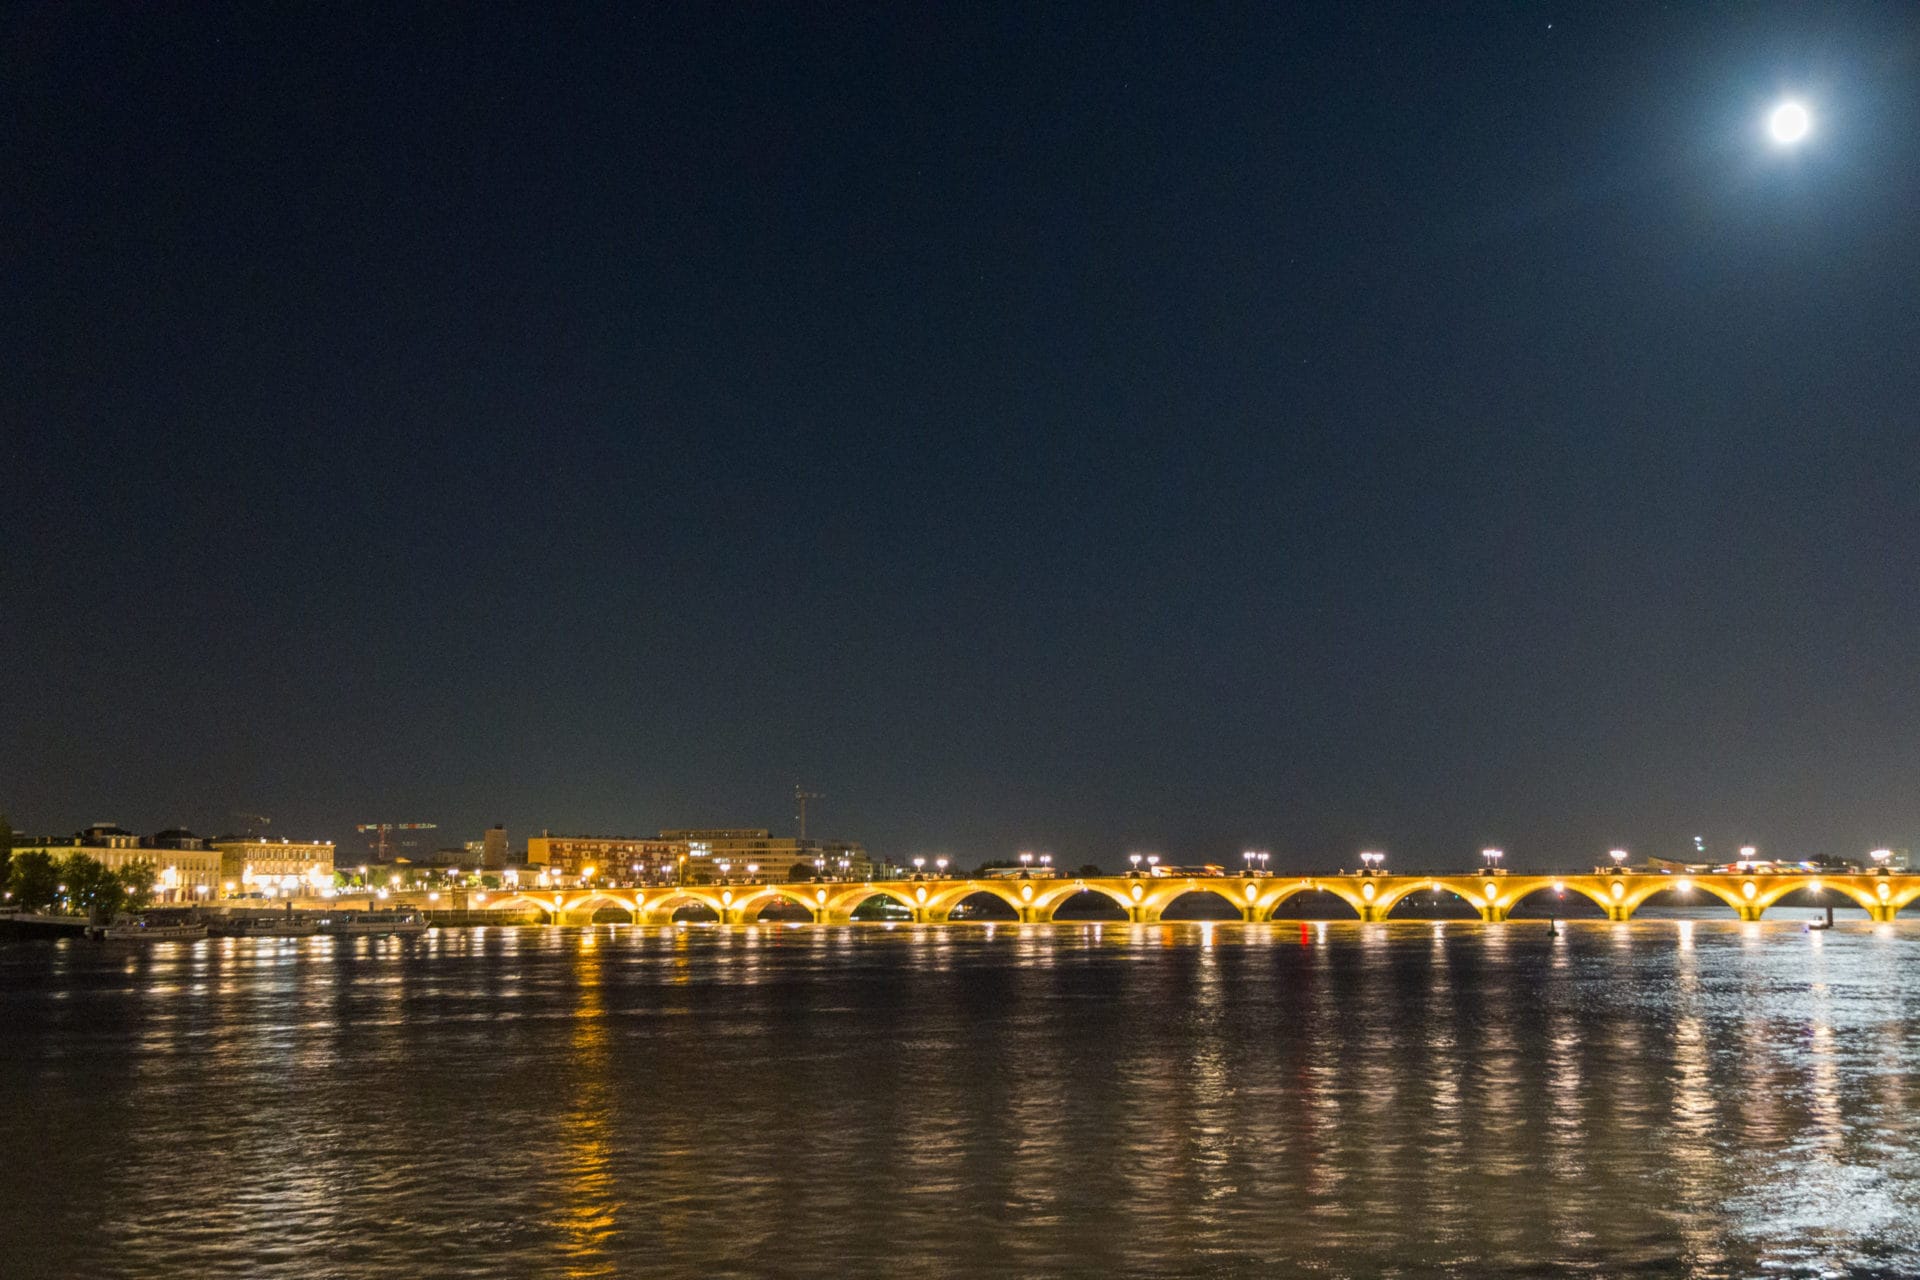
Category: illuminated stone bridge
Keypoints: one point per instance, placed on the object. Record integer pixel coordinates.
(1145, 899)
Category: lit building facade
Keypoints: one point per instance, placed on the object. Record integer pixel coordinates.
(697, 856)
(616, 858)
(251, 865)
(728, 853)
(184, 868)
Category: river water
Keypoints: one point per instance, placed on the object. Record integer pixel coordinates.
(1667, 1097)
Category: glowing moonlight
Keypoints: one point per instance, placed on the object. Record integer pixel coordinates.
(1789, 123)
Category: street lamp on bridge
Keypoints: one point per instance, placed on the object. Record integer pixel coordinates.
(1134, 858)
(1619, 857)
(1493, 857)
(919, 867)
(1882, 859)
(1372, 861)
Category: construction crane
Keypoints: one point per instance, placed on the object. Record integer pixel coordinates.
(800, 798)
(381, 831)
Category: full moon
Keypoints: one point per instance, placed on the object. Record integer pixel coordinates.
(1789, 123)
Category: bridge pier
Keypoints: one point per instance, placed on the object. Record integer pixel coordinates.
(1619, 914)
(1881, 913)
(1493, 915)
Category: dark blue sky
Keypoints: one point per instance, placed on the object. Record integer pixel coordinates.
(1409, 428)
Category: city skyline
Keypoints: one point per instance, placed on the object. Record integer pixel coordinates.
(1277, 859)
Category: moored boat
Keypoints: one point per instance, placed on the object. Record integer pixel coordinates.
(366, 923)
(144, 929)
(276, 926)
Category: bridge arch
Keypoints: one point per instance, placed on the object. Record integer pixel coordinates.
(1636, 896)
(1274, 898)
(520, 902)
(593, 903)
(997, 906)
(941, 901)
(849, 900)
(794, 895)
(1047, 902)
(661, 910)
(1521, 891)
(1859, 897)
(1228, 891)
(1397, 893)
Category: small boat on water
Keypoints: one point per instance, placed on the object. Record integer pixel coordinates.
(146, 929)
(366, 923)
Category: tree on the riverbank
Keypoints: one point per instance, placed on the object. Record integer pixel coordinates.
(34, 880)
(6, 849)
(136, 883)
(93, 890)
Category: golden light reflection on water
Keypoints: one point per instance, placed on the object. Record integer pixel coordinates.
(1694, 1098)
(589, 1208)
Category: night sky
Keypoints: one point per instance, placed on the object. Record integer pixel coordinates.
(1310, 429)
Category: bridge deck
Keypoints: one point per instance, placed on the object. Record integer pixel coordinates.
(1145, 898)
